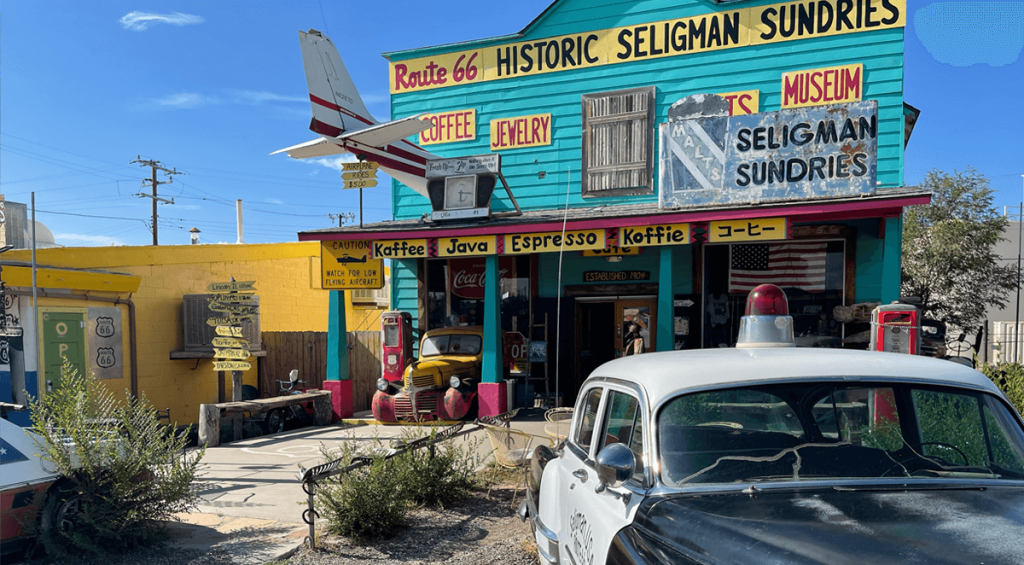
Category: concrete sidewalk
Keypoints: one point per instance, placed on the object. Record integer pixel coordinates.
(251, 498)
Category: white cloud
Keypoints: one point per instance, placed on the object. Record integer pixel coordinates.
(187, 100)
(332, 162)
(277, 201)
(255, 97)
(92, 240)
(139, 21)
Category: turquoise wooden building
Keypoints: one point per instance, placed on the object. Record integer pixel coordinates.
(614, 200)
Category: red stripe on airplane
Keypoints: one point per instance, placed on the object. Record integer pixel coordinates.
(332, 106)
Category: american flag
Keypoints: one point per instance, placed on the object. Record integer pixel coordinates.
(788, 265)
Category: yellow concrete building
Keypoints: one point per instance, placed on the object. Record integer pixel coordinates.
(81, 284)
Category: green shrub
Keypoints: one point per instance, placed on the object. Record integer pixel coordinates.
(1009, 377)
(439, 476)
(126, 473)
(366, 502)
(372, 501)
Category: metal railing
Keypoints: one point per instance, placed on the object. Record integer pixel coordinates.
(312, 476)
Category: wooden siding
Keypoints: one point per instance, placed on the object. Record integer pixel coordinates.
(755, 67)
(364, 365)
(307, 352)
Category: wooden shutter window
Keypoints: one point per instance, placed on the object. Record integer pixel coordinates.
(618, 143)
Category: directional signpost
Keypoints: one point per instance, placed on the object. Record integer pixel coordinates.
(360, 175)
(236, 302)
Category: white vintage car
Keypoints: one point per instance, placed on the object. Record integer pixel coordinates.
(771, 454)
(25, 479)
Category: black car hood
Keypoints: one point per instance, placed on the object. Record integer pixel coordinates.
(825, 526)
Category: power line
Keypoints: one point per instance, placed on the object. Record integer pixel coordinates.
(153, 183)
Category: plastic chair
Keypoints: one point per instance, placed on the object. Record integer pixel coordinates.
(559, 421)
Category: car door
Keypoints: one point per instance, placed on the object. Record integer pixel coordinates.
(590, 520)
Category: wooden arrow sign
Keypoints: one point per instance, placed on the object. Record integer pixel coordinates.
(229, 342)
(242, 309)
(231, 366)
(366, 183)
(245, 299)
(232, 320)
(240, 354)
(228, 331)
(364, 166)
(359, 175)
(233, 286)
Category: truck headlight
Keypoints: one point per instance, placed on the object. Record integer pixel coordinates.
(455, 381)
(382, 385)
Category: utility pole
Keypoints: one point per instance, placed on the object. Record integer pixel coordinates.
(342, 218)
(155, 166)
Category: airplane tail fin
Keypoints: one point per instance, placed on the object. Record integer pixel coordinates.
(337, 106)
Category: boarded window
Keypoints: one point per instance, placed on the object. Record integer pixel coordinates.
(618, 142)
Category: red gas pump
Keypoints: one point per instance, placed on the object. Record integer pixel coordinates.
(396, 330)
(896, 328)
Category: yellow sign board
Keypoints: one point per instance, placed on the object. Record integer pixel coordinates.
(646, 236)
(361, 166)
(229, 342)
(399, 248)
(611, 251)
(231, 366)
(466, 246)
(713, 31)
(241, 354)
(364, 183)
(829, 85)
(576, 240)
(229, 331)
(232, 286)
(743, 102)
(457, 125)
(232, 320)
(521, 131)
(347, 265)
(760, 229)
(239, 309)
(360, 175)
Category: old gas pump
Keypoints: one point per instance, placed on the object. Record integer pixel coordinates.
(397, 340)
(896, 328)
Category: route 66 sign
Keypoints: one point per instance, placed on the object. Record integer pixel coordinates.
(105, 326)
(104, 342)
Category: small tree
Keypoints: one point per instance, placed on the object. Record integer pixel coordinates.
(948, 257)
(126, 473)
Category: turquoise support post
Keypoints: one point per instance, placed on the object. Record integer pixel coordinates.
(337, 338)
(892, 250)
(492, 395)
(666, 313)
(491, 366)
(338, 380)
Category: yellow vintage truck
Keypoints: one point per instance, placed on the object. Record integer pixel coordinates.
(441, 384)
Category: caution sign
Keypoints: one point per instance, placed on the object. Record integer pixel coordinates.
(347, 265)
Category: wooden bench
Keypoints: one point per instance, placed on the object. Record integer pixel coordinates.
(210, 414)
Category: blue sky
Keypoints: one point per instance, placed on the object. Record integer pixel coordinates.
(211, 88)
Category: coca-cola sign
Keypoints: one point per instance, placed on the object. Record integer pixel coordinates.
(467, 277)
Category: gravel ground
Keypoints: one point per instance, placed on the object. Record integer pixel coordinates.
(482, 530)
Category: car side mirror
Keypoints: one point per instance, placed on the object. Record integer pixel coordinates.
(615, 466)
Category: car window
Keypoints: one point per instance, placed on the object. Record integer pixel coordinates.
(588, 419)
(622, 425)
(464, 344)
(817, 430)
(434, 345)
(951, 427)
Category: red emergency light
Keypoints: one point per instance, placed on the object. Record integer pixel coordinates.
(767, 300)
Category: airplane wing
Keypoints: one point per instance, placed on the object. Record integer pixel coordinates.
(315, 148)
(386, 134)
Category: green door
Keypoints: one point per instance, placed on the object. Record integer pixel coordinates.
(63, 336)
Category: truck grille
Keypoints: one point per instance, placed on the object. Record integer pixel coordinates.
(426, 406)
(420, 381)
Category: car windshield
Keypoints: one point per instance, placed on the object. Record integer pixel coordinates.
(450, 344)
(813, 431)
